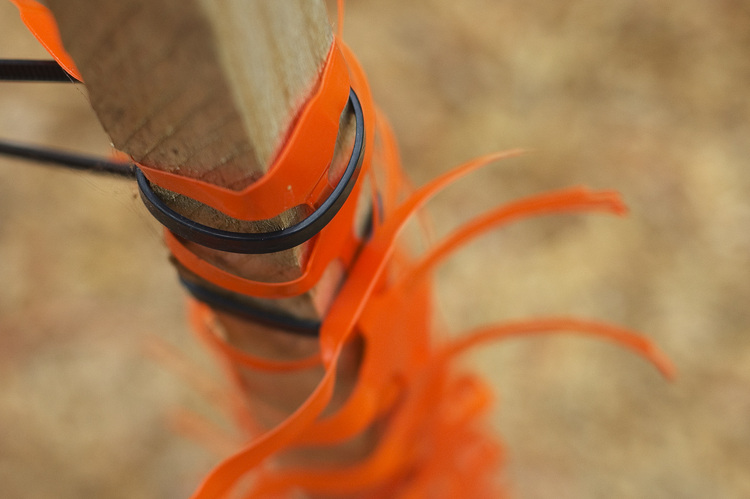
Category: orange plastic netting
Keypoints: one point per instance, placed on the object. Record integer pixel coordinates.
(430, 412)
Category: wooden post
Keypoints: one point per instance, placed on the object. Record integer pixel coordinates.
(207, 89)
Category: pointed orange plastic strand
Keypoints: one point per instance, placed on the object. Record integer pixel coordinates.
(398, 184)
(396, 181)
(362, 403)
(622, 336)
(566, 200)
(369, 267)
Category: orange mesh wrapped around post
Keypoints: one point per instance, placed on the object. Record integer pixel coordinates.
(433, 439)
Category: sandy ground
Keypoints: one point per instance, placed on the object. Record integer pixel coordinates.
(648, 97)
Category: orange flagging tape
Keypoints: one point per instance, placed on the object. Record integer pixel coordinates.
(432, 439)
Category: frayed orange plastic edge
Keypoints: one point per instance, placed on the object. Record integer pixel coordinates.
(336, 329)
(344, 319)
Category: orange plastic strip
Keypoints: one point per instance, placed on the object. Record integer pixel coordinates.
(299, 174)
(431, 438)
(370, 265)
(619, 335)
(554, 202)
(443, 408)
(336, 237)
(386, 310)
(335, 330)
(39, 20)
(201, 319)
(359, 294)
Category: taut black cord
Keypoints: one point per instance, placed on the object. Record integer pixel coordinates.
(31, 70)
(66, 159)
(24, 70)
(248, 311)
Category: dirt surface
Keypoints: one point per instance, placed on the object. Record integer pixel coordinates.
(649, 98)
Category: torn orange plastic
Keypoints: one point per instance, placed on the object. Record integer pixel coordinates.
(364, 303)
(434, 442)
(336, 329)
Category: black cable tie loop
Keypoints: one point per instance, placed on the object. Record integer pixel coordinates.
(263, 242)
(273, 319)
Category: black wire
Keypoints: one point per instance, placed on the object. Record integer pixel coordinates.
(66, 159)
(26, 70)
(32, 70)
(248, 311)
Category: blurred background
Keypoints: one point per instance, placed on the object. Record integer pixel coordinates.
(646, 97)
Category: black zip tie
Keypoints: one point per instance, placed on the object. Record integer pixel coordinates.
(27, 70)
(67, 159)
(253, 313)
(263, 242)
(229, 302)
